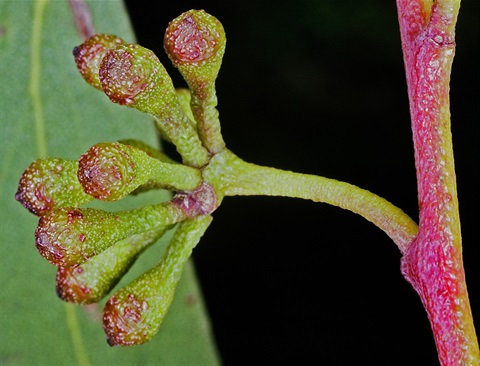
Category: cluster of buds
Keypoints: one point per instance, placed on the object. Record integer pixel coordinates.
(93, 248)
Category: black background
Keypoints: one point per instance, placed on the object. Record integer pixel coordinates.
(318, 87)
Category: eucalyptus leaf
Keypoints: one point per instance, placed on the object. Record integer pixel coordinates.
(47, 109)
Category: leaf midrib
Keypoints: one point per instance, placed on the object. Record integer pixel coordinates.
(35, 73)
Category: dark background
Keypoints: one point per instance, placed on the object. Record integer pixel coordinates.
(318, 87)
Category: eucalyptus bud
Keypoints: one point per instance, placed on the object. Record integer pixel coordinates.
(133, 315)
(89, 54)
(48, 183)
(132, 75)
(111, 171)
(92, 280)
(195, 43)
(70, 236)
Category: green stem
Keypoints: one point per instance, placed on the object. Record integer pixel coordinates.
(183, 135)
(175, 176)
(203, 104)
(77, 339)
(231, 176)
(35, 76)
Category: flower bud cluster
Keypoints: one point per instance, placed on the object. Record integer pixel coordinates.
(93, 248)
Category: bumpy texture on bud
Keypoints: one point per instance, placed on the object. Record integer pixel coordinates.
(134, 314)
(66, 237)
(111, 171)
(195, 42)
(92, 280)
(133, 76)
(49, 183)
(106, 172)
(89, 55)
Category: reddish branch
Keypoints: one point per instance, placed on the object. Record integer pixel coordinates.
(433, 262)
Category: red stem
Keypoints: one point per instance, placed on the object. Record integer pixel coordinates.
(433, 262)
(83, 18)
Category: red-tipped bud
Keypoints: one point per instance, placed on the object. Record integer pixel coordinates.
(194, 38)
(106, 171)
(67, 237)
(89, 55)
(134, 314)
(92, 280)
(195, 43)
(49, 183)
(126, 320)
(110, 171)
(70, 236)
(71, 287)
(124, 74)
(132, 75)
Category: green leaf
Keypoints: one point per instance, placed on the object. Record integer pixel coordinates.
(47, 109)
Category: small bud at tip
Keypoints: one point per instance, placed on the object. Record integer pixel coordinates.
(89, 54)
(106, 170)
(123, 321)
(126, 71)
(49, 183)
(193, 37)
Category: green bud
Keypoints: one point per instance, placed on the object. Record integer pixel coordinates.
(92, 280)
(133, 76)
(111, 171)
(134, 314)
(195, 43)
(89, 54)
(49, 183)
(70, 236)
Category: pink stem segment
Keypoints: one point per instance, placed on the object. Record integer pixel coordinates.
(83, 18)
(433, 262)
